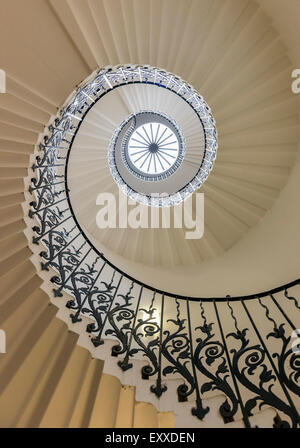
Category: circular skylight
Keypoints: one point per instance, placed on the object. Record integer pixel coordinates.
(153, 148)
(153, 145)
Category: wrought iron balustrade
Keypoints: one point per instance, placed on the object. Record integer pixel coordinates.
(241, 347)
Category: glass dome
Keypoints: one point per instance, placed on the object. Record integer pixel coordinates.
(153, 148)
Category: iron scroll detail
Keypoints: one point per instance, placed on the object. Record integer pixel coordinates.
(207, 353)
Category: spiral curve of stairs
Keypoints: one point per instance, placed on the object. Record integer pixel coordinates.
(48, 377)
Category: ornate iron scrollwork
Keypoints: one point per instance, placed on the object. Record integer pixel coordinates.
(250, 368)
(207, 353)
(146, 336)
(204, 363)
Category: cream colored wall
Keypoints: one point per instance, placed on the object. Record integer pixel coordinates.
(267, 257)
(285, 15)
(269, 254)
(38, 81)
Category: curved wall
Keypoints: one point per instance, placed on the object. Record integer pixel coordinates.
(268, 255)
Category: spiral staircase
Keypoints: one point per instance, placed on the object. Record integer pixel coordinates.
(239, 54)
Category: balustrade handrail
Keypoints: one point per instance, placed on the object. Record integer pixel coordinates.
(204, 341)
